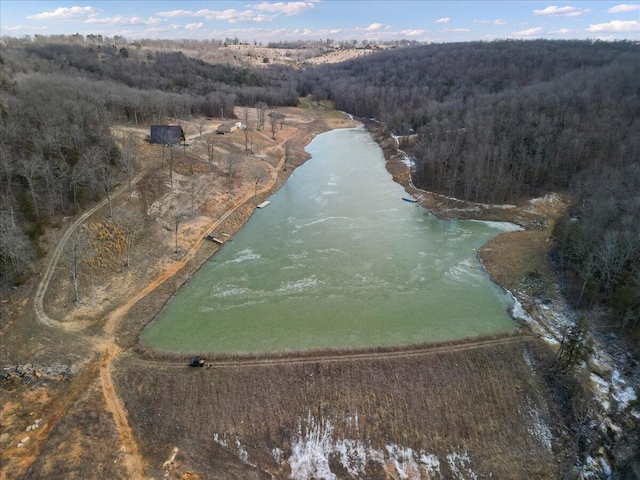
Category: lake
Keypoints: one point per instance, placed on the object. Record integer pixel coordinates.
(338, 260)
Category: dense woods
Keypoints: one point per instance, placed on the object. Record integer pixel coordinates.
(495, 122)
(503, 121)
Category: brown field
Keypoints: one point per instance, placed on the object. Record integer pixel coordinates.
(488, 402)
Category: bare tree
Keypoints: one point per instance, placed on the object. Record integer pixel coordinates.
(210, 144)
(261, 111)
(15, 251)
(247, 130)
(131, 220)
(176, 223)
(129, 159)
(171, 162)
(200, 124)
(232, 162)
(30, 168)
(78, 252)
(257, 173)
(106, 178)
(274, 118)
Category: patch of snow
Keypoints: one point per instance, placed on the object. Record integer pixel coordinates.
(276, 453)
(623, 393)
(353, 456)
(431, 464)
(502, 226)
(518, 312)
(459, 464)
(539, 429)
(310, 451)
(242, 452)
(403, 461)
(528, 360)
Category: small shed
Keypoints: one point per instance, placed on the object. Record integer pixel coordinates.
(167, 134)
(227, 128)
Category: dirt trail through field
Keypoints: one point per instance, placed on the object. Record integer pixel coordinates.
(132, 459)
(426, 350)
(53, 262)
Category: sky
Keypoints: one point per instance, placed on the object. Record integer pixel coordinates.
(382, 20)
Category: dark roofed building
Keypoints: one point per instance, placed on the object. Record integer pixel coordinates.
(167, 134)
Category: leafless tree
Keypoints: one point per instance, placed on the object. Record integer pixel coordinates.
(106, 178)
(200, 124)
(15, 251)
(129, 159)
(210, 144)
(78, 252)
(261, 109)
(257, 173)
(273, 121)
(131, 220)
(247, 130)
(30, 168)
(171, 162)
(176, 223)
(232, 162)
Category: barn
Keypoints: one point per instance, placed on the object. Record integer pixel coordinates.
(167, 134)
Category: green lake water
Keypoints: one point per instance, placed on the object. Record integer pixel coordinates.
(337, 259)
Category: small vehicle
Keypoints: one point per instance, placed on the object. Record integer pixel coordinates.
(197, 361)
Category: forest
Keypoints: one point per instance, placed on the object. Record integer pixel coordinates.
(495, 122)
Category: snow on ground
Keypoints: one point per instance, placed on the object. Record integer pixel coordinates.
(459, 463)
(313, 446)
(621, 391)
(539, 429)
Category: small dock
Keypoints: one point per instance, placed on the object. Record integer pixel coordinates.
(264, 204)
(214, 239)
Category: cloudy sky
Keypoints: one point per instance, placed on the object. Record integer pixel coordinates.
(431, 21)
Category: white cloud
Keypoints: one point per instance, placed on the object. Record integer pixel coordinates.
(373, 27)
(443, 20)
(554, 11)
(619, 26)
(413, 33)
(623, 8)
(193, 26)
(289, 9)
(461, 30)
(66, 13)
(230, 15)
(499, 21)
(121, 20)
(562, 31)
(527, 33)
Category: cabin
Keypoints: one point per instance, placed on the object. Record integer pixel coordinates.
(167, 134)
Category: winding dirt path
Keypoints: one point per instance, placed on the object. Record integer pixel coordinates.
(132, 458)
(53, 262)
